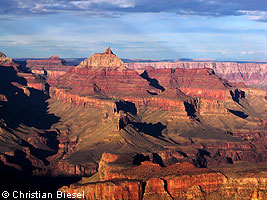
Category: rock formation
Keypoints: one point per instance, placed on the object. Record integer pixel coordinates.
(52, 67)
(248, 73)
(103, 60)
(103, 74)
(4, 60)
(178, 181)
(24, 124)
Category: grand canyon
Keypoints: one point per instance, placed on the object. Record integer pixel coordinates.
(136, 130)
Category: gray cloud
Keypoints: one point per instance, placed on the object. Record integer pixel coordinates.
(256, 9)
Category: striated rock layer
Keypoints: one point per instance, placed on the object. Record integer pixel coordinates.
(178, 181)
(103, 74)
(248, 73)
(52, 67)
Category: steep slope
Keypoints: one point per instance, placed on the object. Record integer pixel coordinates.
(26, 139)
(32, 80)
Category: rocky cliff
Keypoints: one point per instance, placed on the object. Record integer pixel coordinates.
(178, 181)
(103, 60)
(103, 74)
(248, 73)
(25, 137)
(33, 81)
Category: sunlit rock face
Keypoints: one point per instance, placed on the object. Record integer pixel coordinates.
(5, 61)
(247, 73)
(103, 74)
(103, 60)
(178, 181)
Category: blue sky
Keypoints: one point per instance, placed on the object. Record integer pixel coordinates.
(146, 29)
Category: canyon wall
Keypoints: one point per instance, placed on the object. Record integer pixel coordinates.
(178, 181)
(248, 73)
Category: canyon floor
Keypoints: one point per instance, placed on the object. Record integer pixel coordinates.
(120, 130)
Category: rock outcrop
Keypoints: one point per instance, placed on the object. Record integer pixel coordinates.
(99, 61)
(33, 81)
(5, 61)
(192, 82)
(178, 181)
(52, 67)
(103, 74)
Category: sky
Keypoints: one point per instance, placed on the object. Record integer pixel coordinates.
(143, 29)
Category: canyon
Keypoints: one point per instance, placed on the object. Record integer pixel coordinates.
(136, 130)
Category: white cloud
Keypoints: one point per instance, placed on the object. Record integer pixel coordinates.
(210, 51)
(256, 15)
(248, 52)
(118, 3)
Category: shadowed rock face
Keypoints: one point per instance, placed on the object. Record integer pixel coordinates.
(20, 70)
(26, 140)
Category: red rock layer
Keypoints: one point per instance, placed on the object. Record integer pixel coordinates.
(249, 73)
(192, 82)
(178, 181)
(103, 74)
(33, 81)
(118, 189)
(62, 168)
(160, 183)
(65, 96)
(53, 67)
(108, 82)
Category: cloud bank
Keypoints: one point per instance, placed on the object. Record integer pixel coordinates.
(256, 9)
